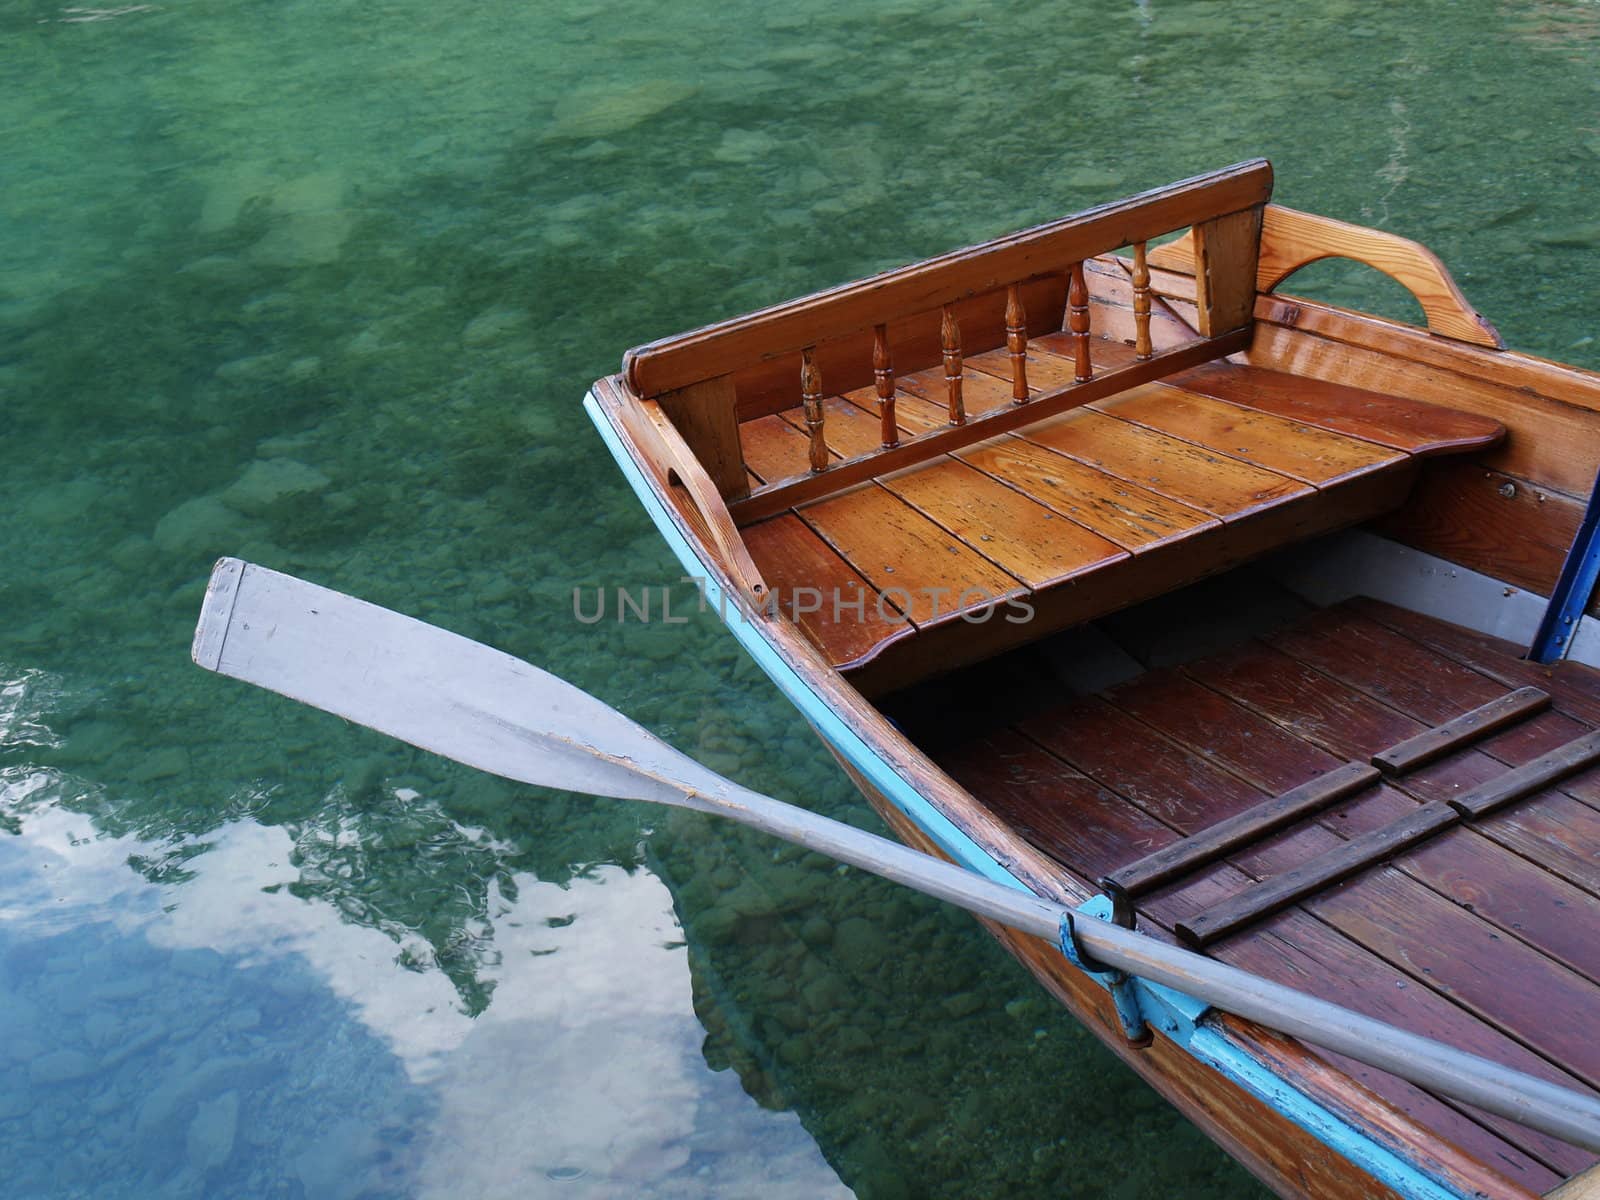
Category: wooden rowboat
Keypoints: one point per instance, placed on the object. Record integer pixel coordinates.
(1109, 572)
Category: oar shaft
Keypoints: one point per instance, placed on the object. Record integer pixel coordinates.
(1498, 1089)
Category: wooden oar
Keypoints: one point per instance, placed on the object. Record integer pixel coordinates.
(468, 702)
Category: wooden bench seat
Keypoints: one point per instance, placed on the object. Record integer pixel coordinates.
(1076, 515)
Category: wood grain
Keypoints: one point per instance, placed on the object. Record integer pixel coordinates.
(703, 414)
(1410, 425)
(1291, 239)
(796, 563)
(720, 349)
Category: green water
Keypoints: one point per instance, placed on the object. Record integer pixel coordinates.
(321, 284)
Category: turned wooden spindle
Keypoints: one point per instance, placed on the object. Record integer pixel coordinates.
(811, 398)
(1017, 343)
(883, 377)
(1078, 323)
(1141, 302)
(950, 341)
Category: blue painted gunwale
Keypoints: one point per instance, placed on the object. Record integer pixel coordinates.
(1176, 1014)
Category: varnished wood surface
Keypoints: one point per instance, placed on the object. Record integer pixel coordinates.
(1291, 239)
(1488, 943)
(720, 349)
(1069, 498)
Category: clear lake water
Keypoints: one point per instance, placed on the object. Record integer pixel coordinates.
(321, 284)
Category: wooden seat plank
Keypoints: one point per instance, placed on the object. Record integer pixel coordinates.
(1126, 514)
(905, 555)
(1223, 487)
(1275, 443)
(1413, 426)
(1022, 536)
(791, 558)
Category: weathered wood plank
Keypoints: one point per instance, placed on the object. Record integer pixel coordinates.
(1458, 731)
(1313, 877)
(1128, 882)
(1487, 520)
(1133, 517)
(1339, 968)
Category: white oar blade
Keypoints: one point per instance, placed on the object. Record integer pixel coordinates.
(433, 689)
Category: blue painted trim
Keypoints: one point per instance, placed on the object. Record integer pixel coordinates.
(1573, 589)
(1173, 1012)
(1381, 1163)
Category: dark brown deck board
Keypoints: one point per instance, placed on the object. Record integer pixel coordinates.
(1084, 824)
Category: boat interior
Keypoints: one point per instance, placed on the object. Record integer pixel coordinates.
(1295, 748)
(1304, 791)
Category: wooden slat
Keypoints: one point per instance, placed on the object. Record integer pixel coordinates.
(1021, 535)
(776, 497)
(1308, 879)
(793, 558)
(1131, 516)
(1530, 777)
(1187, 473)
(718, 349)
(904, 555)
(1470, 726)
(1293, 448)
(1127, 883)
(1410, 425)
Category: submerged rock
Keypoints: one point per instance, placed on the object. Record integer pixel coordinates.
(266, 483)
(212, 1132)
(594, 112)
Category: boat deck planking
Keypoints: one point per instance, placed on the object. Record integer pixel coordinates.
(1186, 480)
(1427, 939)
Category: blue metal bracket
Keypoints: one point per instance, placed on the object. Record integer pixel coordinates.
(1124, 992)
(1573, 588)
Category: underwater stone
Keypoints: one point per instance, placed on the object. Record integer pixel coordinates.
(597, 112)
(166, 763)
(266, 483)
(858, 945)
(203, 525)
(60, 1066)
(212, 1131)
(744, 146)
(62, 503)
(494, 325)
(963, 1004)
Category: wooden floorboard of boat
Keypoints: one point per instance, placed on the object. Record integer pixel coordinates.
(1429, 940)
(1085, 826)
